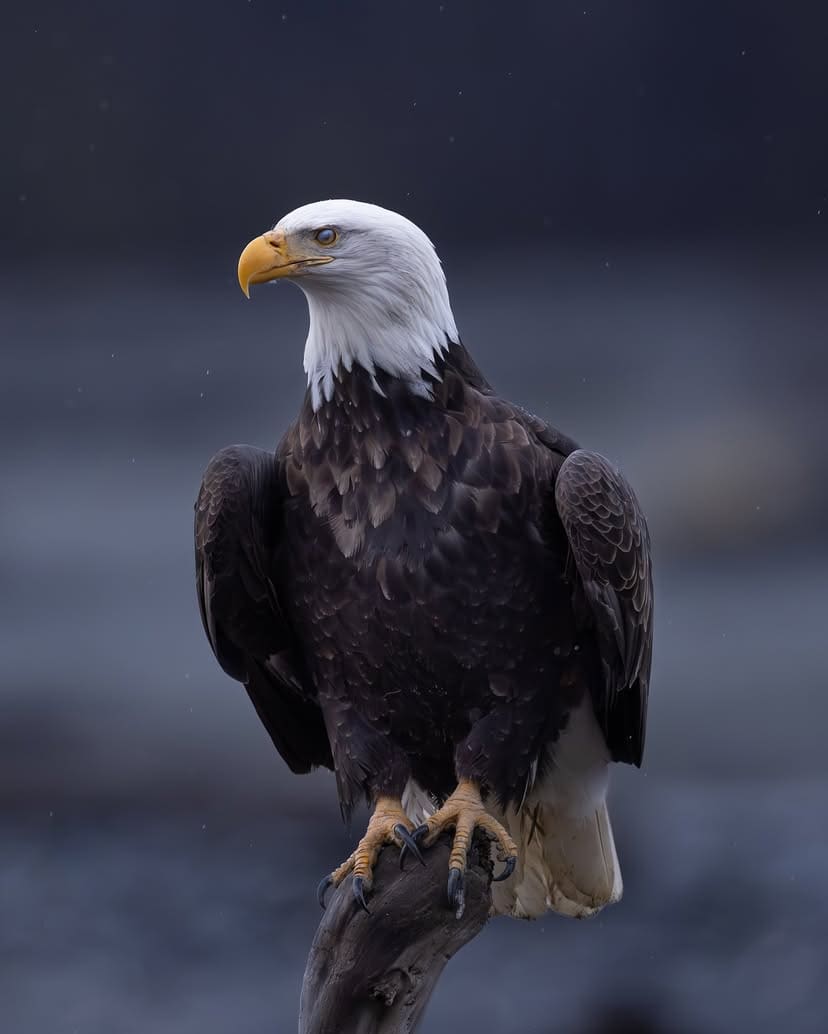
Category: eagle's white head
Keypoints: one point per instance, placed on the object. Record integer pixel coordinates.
(375, 289)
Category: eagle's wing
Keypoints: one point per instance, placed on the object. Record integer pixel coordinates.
(610, 546)
(238, 522)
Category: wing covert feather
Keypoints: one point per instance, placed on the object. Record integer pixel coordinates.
(610, 546)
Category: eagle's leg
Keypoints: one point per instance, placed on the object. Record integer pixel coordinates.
(464, 811)
(388, 825)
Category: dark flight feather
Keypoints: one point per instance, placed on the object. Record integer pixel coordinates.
(237, 526)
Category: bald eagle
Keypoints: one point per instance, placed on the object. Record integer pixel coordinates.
(425, 588)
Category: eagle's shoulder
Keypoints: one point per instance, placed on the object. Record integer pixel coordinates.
(465, 387)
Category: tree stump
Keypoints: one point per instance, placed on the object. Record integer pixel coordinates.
(374, 974)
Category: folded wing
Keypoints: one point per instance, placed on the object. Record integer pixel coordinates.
(238, 528)
(610, 547)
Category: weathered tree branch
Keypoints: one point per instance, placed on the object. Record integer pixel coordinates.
(374, 974)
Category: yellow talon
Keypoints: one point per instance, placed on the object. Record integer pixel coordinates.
(387, 825)
(464, 810)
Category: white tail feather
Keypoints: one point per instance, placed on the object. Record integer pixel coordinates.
(416, 802)
(567, 860)
(566, 863)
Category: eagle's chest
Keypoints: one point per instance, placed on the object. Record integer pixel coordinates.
(415, 545)
(429, 592)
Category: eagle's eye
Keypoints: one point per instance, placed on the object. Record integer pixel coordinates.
(326, 235)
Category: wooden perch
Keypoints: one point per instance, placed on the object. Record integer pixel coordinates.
(374, 974)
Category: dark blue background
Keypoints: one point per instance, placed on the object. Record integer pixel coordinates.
(630, 201)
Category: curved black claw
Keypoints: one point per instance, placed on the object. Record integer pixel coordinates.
(322, 890)
(408, 844)
(511, 862)
(358, 889)
(456, 890)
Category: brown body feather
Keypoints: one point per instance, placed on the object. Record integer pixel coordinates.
(406, 594)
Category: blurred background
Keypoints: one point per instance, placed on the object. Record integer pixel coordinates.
(631, 203)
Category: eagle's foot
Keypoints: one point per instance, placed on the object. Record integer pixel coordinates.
(388, 825)
(464, 811)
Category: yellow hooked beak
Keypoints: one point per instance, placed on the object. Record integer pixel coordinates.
(271, 256)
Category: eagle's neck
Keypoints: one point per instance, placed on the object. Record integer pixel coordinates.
(361, 403)
(391, 324)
